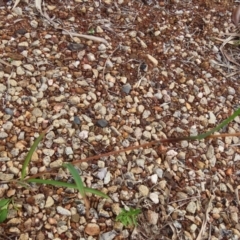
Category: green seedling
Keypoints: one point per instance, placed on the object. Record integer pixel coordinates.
(78, 185)
(91, 31)
(4, 208)
(128, 218)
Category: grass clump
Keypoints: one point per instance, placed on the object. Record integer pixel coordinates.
(78, 185)
(128, 217)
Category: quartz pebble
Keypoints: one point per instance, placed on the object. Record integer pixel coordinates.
(63, 211)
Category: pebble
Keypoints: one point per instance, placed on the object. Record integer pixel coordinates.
(16, 63)
(49, 202)
(9, 111)
(143, 190)
(7, 126)
(102, 173)
(159, 172)
(152, 59)
(152, 217)
(102, 123)
(63, 211)
(146, 114)
(37, 112)
(191, 207)
(68, 151)
(20, 71)
(210, 152)
(76, 46)
(212, 118)
(91, 57)
(147, 135)
(6, 176)
(154, 178)
(48, 152)
(154, 197)
(100, 109)
(74, 100)
(108, 235)
(126, 88)
(92, 229)
(140, 162)
(102, 47)
(29, 67)
(107, 178)
(62, 229)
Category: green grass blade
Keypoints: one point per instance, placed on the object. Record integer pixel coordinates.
(96, 192)
(53, 182)
(29, 155)
(3, 215)
(68, 185)
(76, 178)
(4, 202)
(217, 128)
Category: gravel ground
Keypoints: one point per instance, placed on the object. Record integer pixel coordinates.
(158, 69)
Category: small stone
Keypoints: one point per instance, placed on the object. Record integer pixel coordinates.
(20, 71)
(126, 88)
(147, 135)
(7, 126)
(68, 151)
(56, 164)
(181, 195)
(2, 88)
(62, 229)
(75, 218)
(193, 228)
(231, 91)
(152, 217)
(154, 197)
(37, 52)
(109, 235)
(6, 177)
(8, 111)
(132, 34)
(16, 63)
(102, 47)
(154, 178)
(34, 23)
(49, 202)
(76, 46)
(146, 114)
(91, 57)
(48, 152)
(191, 207)
(76, 120)
(29, 67)
(107, 178)
(92, 229)
(100, 109)
(212, 118)
(143, 190)
(74, 100)
(159, 172)
(102, 123)
(210, 152)
(152, 59)
(37, 112)
(63, 211)
(14, 170)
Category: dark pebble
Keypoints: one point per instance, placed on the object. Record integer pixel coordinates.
(76, 46)
(9, 111)
(126, 88)
(102, 123)
(77, 120)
